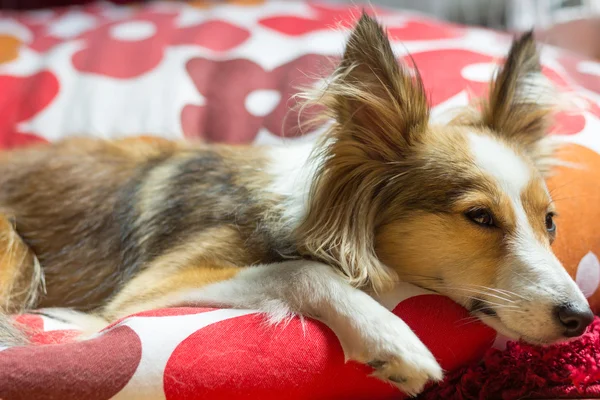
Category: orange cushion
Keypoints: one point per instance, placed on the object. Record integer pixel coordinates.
(576, 192)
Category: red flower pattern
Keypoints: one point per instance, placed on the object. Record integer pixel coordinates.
(112, 46)
(326, 17)
(447, 79)
(41, 89)
(221, 360)
(584, 77)
(227, 85)
(127, 49)
(76, 370)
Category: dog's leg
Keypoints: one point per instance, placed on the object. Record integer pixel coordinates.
(368, 332)
(20, 273)
(20, 280)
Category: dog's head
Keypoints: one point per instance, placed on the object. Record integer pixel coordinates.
(460, 208)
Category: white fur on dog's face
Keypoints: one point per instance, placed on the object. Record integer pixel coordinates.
(530, 281)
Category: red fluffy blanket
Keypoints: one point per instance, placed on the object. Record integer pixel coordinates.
(568, 370)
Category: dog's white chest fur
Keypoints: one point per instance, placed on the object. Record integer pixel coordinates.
(292, 169)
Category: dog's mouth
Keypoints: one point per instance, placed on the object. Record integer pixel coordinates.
(488, 315)
(478, 306)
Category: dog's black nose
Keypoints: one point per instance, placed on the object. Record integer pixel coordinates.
(574, 319)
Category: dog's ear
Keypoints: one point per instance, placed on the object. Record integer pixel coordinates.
(378, 105)
(521, 102)
(379, 111)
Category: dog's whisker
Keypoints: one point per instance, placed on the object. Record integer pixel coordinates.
(535, 284)
(462, 323)
(499, 291)
(488, 294)
(503, 291)
(500, 307)
(496, 305)
(508, 292)
(501, 294)
(475, 291)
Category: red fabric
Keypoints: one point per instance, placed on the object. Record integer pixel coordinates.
(229, 358)
(71, 370)
(568, 370)
(217, 91)
(12, 111)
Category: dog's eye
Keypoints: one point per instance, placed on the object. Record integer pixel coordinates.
(550, 226)
(481, 216)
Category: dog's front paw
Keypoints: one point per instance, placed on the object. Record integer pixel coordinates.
(409, 370)
(396, 354)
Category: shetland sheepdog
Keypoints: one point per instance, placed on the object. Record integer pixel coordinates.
(116, 227)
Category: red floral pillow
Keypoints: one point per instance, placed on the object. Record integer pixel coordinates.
(228, 72)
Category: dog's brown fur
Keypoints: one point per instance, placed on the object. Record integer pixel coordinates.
(97, 213)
